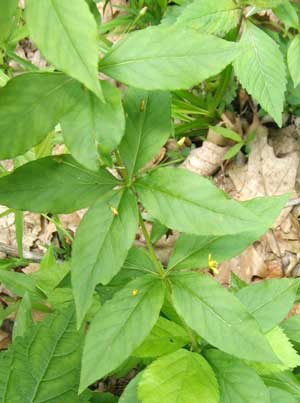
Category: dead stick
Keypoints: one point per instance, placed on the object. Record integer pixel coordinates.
(12, 251)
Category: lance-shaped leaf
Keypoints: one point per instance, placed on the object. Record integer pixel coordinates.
(211, 17)
(261, 70)
(180, 377)
(148, 126)
(20, 284)
(191, 252)
(54, 184)
(92, 127)
(281, 396)
(287, 13)
(8, 12)
(167, 58)
(6, 360)
(291, 328)
(263, 3)
(283, 348)
(45, 362)
(130, 394)
(286, 381)
(120, 326)
(238, 383)
(102, 242)
(219, 317)
(165, 337)
(66, 34)
(293, 57)
(269, 301)
(197, 206)
(24, 317)
(30, 106)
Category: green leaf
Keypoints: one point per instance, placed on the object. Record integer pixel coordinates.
(267, 207)
(148, 127)
(264, 3)
(287, 13)
(196, 206)
(293, 57)
(54, 184)
(167, 58)
(49, 259)
(179, 377)
(191, 252)
(269, 301)
(137, 263)
(30, 106)
(45, 362)
(284, 350)
(233, 151)
(105, 397)
(24, 317)
(6, 360)
(286, 381)
(238, 383)
(130, 394)
(60, 296)
(261, 70)
(102, 242)
(3, 78)
(19, 283)
(158, 230)
(49, 278)
(280, 396)
(7, 15)
(291, 328)
(219, 317)
(227, 133)
(120, 326)
(212, 17)
(236, 283)
(165, 337)
(93, 128)
(72, 46)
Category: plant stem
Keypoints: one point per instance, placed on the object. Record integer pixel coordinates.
(153, 257)
(156, 262)
(59, 226)
(122, 169)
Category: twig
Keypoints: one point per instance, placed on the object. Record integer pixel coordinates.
(293, 203)
(12, 251)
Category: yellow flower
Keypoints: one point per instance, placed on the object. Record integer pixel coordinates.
(213, 265)
(134, 293)
(181, 141)
(114, 210)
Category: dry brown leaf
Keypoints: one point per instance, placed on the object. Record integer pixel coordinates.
(4, 340)
(265, 174)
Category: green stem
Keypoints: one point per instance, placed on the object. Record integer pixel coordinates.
(59, 226)
(194, 344)
(6, 212)
(122, 169)
(153, 257)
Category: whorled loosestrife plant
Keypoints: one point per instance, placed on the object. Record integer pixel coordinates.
(114, 307)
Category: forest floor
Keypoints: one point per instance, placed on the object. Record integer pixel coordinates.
(272, 168)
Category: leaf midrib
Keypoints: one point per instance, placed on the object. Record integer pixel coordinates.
(45, 369)
(176, 197)
(66, 31)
